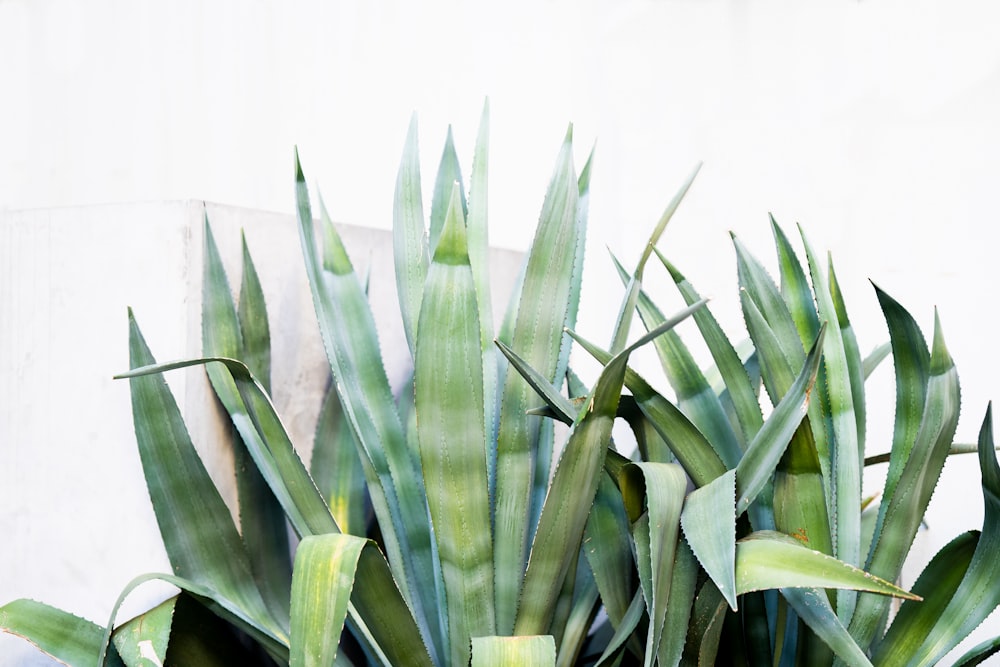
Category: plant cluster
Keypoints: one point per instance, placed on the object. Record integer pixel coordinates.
(445, 526)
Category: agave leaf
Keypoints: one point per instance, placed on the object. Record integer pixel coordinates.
(562, 408)
(978, 594)
(380, 598)
(325, 573)
(679, 604)
(69, 639)
(661, 225)
(606, 545)
(708, 615)
(731, 368)
(409, 235)
(254, 327)
(855, 364)
(574, 485)
(846, 452)
(623, 631)
(581, 617)
(799, 500)
(709, 522)
(201, 541)
(449, 173)
(146, 637)
(911, 360)
(768, 559)
(902, 512)
(875, 358)
(337, 469)
(275, 643)
(567, 505)
(936, 585)
(449, 403)
(692, 450)
(351, 342)
(244, 334)
(662, 485)
(813, 607)
(477, 225)
(795, 286)
(769, 444)
(979, 653)
(538, 337)
(695, 397)
(537, 650)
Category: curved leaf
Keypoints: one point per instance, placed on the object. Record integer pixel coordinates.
(324, 576)
(67, 638)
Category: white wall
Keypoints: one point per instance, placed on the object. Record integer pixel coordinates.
(872, 122)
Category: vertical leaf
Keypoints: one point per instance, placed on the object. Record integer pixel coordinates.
(448, 393)
(537, 651)
(409, 235)
(351, 342)
(538, 337)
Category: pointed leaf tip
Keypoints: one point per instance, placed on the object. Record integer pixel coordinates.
(452, 247)
(941, 359)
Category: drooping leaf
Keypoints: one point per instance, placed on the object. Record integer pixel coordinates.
(198, 533)
(67, 638)
(709, 522)
(392, 628)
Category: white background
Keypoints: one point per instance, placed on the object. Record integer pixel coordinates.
(874, 123)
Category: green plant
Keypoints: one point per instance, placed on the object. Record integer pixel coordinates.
(443, 526)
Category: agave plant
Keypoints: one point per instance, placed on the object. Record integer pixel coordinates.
(443, 526)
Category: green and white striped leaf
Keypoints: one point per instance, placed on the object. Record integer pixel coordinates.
(845, 450)
(449, 402)
(538, 337)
